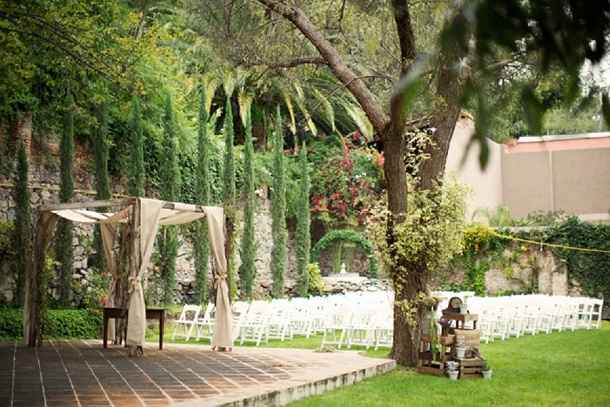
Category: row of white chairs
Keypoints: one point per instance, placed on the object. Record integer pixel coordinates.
(514, 316)
(366, 318)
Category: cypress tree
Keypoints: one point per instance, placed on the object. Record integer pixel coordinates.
(102, 185)
(229, 159)
(201, 245)
(303, 234)
(23, 223)
(136, 163)
(278, 212)
(64, 235)
(247, 270)
(168, 241)
(229, 197)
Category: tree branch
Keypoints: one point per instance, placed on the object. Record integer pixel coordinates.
(356, 86)
(293, 63)
(406, 38)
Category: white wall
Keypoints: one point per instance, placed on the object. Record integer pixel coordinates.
(485, 185)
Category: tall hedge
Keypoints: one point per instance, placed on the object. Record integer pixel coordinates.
(102, 184)
(278, 212)
(303, 233)
(63, 249)
(228, 192)
(247, 269)
(168, 237)
(23, 223)
(200, 243)
(136, 161)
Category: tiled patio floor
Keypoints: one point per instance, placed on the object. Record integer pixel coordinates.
(82, 374)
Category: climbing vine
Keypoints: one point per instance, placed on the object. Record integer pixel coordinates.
(486, 248)
(430, 235)
(347, 235)
(589, 270)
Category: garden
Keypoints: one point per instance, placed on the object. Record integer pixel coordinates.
(276, 173)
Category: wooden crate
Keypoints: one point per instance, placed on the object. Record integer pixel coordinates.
(470, 338)
(471, 368)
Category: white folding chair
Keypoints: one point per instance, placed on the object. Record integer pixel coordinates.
(187, 321)
(205, 324)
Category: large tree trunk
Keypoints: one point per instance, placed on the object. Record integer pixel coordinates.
(410, 278)
(409, 314)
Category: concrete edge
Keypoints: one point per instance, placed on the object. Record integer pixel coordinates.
(293, 393)
(294, 390)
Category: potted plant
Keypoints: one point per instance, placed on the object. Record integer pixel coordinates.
(487, 372)
(453, 374)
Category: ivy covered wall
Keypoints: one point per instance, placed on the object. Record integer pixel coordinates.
(549, 262)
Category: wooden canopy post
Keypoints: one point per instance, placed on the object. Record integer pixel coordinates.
(35, 281)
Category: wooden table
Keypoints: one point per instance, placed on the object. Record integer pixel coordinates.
(121, 313)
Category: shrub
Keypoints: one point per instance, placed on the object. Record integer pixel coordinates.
(316, 284)
(61, 323)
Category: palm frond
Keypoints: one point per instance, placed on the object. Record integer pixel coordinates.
(290, 107)
(244, 101)
(300, 100)
(326, 106)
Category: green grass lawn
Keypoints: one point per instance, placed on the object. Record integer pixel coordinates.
(567, 368)
(560, 369)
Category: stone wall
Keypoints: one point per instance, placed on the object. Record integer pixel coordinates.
(521, 271)
(44, 181)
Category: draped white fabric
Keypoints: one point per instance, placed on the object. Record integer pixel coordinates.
(223, 322)
(179, 217)
(149, 215)
(82, 215)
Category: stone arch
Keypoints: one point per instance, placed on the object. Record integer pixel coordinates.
(352, 236)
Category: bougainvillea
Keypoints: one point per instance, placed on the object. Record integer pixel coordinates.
(346, 181)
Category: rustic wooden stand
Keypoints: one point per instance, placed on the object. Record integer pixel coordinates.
(453, 324)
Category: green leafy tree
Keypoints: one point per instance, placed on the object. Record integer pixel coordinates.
(201, 244)
(23, 223)
(278, 212)
(168, 239)
(247, 269)
(102, 185)
(303, 232)
(229, 197)
(64, 249)
(136, 161)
